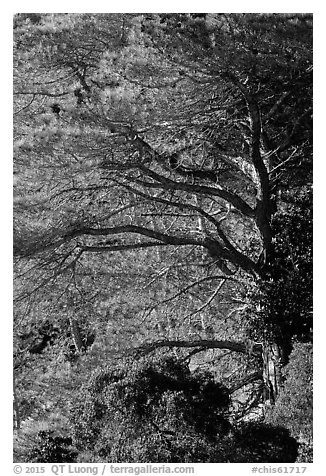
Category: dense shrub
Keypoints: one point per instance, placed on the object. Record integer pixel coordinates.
(262, 443)
(280, 306)
(294, 406)
(157, 410)
(51, 448)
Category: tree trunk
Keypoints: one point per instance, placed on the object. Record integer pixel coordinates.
(75, 332)
(16, 406)
(272, 376)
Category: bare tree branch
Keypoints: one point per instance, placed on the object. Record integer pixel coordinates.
(209, 300)
(253, 377)
(240, 347)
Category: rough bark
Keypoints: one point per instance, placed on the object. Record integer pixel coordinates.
(16, 405)
(272, 364)
(76, 335)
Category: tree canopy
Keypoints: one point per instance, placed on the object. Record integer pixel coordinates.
(162, 196)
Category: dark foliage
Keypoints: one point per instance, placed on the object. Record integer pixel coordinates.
(37, 340)
(294, 406)
(264, 444)
(285, 297)
(139, 396)
(159, 411)
(52, 449)
(56, 108)
(79, 96)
